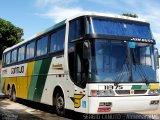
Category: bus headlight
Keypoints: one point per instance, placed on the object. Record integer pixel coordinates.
(102, 93)
(153, 92)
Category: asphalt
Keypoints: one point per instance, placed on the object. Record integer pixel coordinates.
(2, 96)
(27, 110)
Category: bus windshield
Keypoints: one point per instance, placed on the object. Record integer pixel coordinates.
(116, 61)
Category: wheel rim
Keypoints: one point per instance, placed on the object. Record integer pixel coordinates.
(14, 95)
(60, 103)
(10, 94)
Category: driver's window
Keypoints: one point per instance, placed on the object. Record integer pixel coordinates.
(79, 70)
(79, 63)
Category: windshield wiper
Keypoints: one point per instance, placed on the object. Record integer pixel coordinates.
(121, 74)
(126, 68)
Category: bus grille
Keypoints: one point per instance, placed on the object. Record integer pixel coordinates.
(124, 92)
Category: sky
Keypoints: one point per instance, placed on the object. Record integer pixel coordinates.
(34, 16)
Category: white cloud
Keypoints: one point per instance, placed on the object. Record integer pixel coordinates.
(58, 10)
(151, 14)
(58, 14)
(46, 3)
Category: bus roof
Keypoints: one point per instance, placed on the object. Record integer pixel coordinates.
(114, 16)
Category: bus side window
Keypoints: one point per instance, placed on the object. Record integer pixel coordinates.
(14, 56)
(53, 45)
(60, 39)
(76, 28)
(42, 46)
(57, 40)
(30, 50)
(21, 53)
(8, 58)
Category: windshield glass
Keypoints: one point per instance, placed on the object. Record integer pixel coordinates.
(116, 61)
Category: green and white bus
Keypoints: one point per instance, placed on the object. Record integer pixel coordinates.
(92, 63)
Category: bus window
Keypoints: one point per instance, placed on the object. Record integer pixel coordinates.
(4, 59)
(60, 39)
(21, 53)
(30, 50)
(8, 55)
(42, 46)
(53, 43)
(14, 56)
(76, 28)
(57, 40)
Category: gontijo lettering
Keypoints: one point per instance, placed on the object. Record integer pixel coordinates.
(17, 70)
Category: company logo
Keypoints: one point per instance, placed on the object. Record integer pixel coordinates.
(57, 66)
(77, 100)
(16, 70)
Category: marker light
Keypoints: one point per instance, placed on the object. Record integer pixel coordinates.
(153, 92)
(102, 93)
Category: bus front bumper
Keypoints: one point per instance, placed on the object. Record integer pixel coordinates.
(104, 105)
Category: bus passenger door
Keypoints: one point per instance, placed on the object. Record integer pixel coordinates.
(80, 80)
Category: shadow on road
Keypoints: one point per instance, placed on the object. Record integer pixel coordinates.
(14, 113)
(49, 112)
(78, 116)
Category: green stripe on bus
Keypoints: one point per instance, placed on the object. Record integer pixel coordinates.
(41, 79)
(136, 87)
(34, 79)
(139, 87)
(145, 87)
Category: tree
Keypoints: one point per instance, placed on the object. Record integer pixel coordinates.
(9, 35)
(130, 15)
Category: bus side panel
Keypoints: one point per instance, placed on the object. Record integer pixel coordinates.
(41, 79)
(6, 79)
(4, 85)
(23, 87)
(34, 78)
(54, 78)
(57, 77)
(38, 79)
(30, 69)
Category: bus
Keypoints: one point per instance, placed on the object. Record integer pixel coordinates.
(91, 63)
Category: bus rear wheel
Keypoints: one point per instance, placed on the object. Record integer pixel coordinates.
(10, 94)
(13, 94)
(60, 103)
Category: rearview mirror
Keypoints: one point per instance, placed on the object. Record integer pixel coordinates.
(86, 50)
(157, 57)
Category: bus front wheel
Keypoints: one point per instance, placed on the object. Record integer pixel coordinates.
(60, 103)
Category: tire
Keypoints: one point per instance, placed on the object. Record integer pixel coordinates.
(60, 103)
(14, 95)
(10, 94)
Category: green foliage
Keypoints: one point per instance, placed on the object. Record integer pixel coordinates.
(9, 35)
(130, 15)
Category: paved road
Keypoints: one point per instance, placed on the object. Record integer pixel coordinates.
(25, 110)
